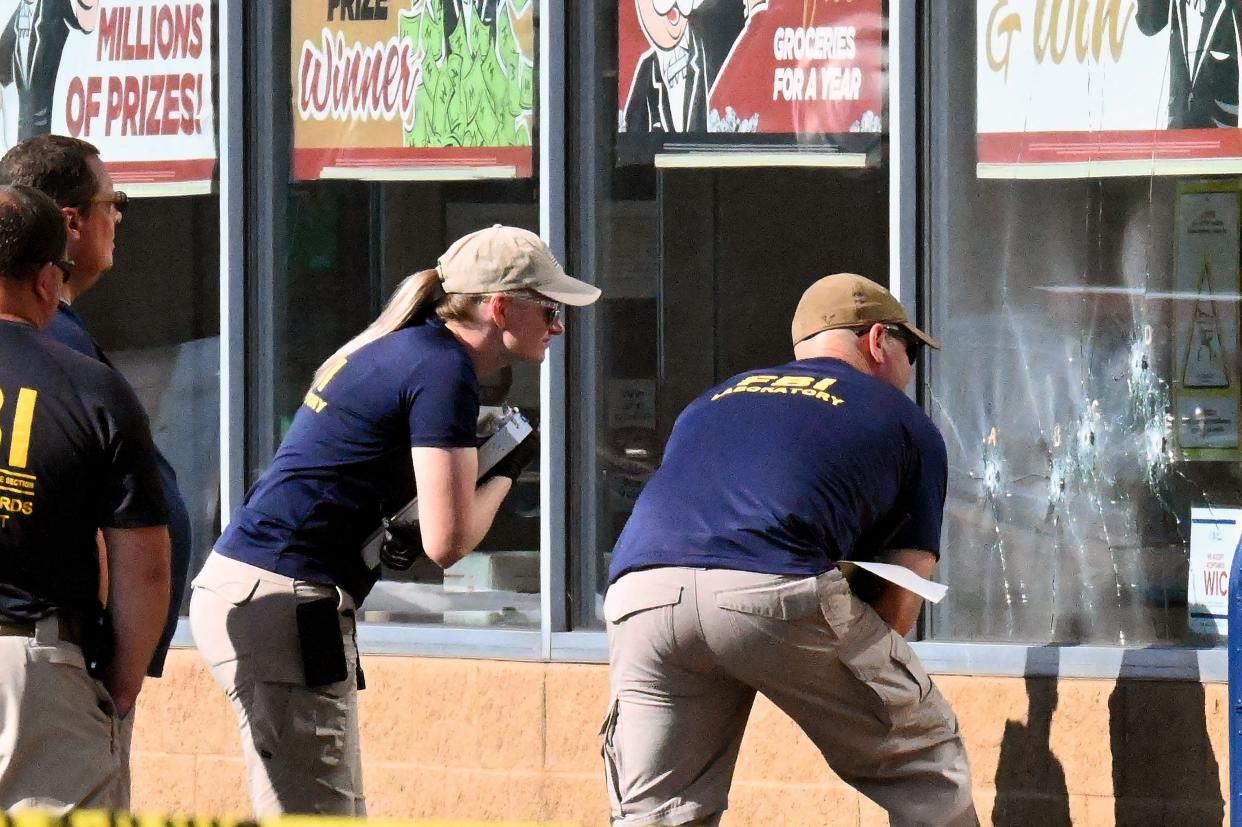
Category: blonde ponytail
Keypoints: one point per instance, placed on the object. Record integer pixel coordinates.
(412, 296)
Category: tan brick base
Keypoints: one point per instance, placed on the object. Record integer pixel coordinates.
(492, 740)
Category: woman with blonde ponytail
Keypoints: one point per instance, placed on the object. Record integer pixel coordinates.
(413, 296)
(392, 411)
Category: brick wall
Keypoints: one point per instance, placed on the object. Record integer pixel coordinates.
(446, 738)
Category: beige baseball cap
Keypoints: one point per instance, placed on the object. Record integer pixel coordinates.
(849, 300)
(500, 258)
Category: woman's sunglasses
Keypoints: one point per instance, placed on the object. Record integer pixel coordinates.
(551, 310)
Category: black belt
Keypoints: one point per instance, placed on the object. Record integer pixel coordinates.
(68, 629)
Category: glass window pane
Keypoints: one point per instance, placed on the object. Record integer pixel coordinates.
(157, 315)
(350, 244)
(701, 261)
(341, 247)
(1059, 305)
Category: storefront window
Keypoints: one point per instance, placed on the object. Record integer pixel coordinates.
(157, 315)
(371, 183)
(1083, 276)
(703, 224)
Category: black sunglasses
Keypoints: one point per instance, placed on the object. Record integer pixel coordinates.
(118, 200)
(912, 342)
(64, 266)
(908, 340)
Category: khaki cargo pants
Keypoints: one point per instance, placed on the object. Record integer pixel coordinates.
(301, 744)
(59, 734)
(688, 649)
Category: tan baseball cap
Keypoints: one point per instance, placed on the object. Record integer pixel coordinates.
(849, 300)
(500, 258)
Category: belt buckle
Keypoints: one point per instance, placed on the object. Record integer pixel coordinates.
(47, 631)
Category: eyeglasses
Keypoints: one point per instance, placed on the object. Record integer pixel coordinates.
(551, 310)
(118, 200)
(65, 267)
(909, 341)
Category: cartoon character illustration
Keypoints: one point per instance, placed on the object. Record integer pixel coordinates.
(1203, 58)
(30, 50)
(477, 60)
(669, 89)
(833, 94)
(735, 80)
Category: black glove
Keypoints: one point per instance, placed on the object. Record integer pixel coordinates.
(512, 463)
(402, 544)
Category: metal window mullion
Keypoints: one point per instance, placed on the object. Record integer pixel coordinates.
(268, 191)
(902, 152)
(231, 123)
(591, 212)
(903, 145)
(552, 402)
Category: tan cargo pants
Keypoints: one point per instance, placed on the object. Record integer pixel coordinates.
(59, 735)
(688, 649)
(301, 744)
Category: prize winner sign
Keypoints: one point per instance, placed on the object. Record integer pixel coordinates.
(132, 77)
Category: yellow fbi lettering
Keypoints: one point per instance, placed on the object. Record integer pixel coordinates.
(13, 481)
(12, 505)
(313, 400)
(785, 384)
(23, 419)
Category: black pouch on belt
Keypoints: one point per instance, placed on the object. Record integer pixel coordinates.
(98, 641)
(319, 636)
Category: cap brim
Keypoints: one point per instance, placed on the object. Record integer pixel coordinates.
(923, 337)
(569, 290)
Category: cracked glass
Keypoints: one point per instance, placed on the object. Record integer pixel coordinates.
(1078, 443)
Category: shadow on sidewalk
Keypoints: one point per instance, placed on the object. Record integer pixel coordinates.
(1030, 782)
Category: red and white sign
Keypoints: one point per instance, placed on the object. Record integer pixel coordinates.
(426, 90)
(1069, 89)
(750, 67)
(133, 77)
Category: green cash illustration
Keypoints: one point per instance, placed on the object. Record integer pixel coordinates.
(478, 72)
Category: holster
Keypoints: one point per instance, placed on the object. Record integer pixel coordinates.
(98, 641)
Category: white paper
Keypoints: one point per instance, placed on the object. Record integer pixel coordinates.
(902, 576)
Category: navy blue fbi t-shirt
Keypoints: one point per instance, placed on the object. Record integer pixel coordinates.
(75, 456)
(788, 470)
(345, 463)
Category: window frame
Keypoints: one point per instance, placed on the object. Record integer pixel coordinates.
(242, 327)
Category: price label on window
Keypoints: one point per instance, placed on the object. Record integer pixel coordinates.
(1214, 534)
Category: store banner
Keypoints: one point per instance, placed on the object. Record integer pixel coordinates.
(731, 77)
(133, 77)
(1069, 89)
(413, 89)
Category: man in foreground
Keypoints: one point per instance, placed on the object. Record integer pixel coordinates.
(71, 172)
(725, 581)
(75, 459)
